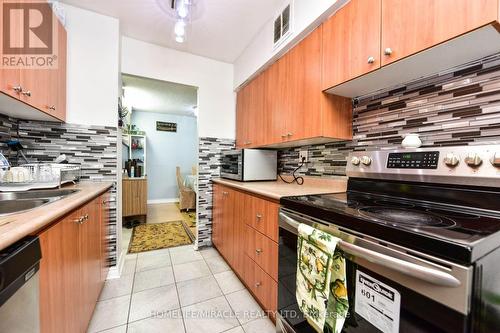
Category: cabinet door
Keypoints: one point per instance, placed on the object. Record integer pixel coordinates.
(135, 197)
(228, 225)
(257, 114)
(410, 26)
(242, 123)
(303, 119)
(90, 261)
(276, 99)
(40, 86)
(104, 227)
(60, 103)
(239, 232)
(60, 278)
(217, 216)
(351, 42)
(10, 78)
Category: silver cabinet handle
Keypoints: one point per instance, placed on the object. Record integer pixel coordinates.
(283, 135)
(371, 60)
(289, 134)
(388, 51)
(17, 89)
(258, 284)
(259, 216)
(52, 107)
(79, 220)
(225, 193)
(428, 274)
(258, 251)
(26, 93)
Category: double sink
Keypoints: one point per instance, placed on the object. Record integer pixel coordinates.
(16, 202)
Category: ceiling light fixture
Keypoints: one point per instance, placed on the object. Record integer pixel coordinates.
(182, 9)
(182, 13)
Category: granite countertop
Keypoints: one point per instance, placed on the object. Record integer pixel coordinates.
(277, 189)
(17, 226)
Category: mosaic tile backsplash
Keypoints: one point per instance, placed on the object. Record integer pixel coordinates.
(93, 147)
(457, 107)
(208, 167)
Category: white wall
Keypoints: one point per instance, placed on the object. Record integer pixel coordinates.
(93, 67)
(214, 79)
(260, 52)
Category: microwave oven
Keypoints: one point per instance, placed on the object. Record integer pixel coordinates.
(249, 165)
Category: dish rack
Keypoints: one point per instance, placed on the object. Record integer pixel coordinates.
(38, 176)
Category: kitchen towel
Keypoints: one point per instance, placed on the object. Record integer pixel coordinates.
(321, 280)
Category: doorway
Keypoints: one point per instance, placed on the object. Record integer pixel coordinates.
(159, 163)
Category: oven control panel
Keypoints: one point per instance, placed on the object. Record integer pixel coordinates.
(413, 160)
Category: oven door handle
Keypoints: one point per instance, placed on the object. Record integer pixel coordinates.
(420, 272)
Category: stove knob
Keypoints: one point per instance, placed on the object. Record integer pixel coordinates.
(451, 160)
(355, 160)
(473, 160)
(366, 160)
(495, 159)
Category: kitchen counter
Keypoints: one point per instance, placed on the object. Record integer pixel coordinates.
(277, 189)
(16, 226)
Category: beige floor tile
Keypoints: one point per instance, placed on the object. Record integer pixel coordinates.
(217, 264)
(198, 290)
(191, 270)
(148, 302)
(229, 282)
(237, 329)
(183, 254)
(212, 316)
(157, 325)
(117, 287)
(153, 278)
(262, 325)
(208, 252)
(119, 329)
(129, 265)
(152, 260)
(159, 213)
(110, 313)
(245, 307)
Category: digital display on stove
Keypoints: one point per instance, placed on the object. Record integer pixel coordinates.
(417, 160)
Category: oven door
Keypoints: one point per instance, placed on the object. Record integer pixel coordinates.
(232, 165)
(390, 289)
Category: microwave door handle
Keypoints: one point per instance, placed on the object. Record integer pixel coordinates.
(420, 272)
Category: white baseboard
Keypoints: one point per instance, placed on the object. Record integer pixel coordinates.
(160, 201)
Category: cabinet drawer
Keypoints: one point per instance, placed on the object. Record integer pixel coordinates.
(262, 285)
(262, 215)
(263, 251)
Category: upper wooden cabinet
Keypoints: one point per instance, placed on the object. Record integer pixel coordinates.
(43, 89)
(410, 26)
(251, 107)
(285, 104)
(351, 42)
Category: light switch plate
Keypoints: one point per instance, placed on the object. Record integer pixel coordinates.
(304, 154)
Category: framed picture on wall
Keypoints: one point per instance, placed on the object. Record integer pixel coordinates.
(166, 127)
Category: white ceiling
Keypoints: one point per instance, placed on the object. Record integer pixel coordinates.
(143, 94)
(222, 31)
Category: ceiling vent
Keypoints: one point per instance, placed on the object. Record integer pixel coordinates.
(283, 25)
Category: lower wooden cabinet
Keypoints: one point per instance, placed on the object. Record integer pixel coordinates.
(245, 232)
(72, 268)
(135, 196)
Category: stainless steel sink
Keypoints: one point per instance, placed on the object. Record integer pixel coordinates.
(45, 194)
(16, 206)
(16, 202)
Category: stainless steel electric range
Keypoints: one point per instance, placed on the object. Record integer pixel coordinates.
(420, 230)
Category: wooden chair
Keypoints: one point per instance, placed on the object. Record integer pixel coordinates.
(187, 197)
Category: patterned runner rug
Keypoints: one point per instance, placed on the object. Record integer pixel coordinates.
(156, 236)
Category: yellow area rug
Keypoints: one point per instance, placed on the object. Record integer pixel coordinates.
(156, 236)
